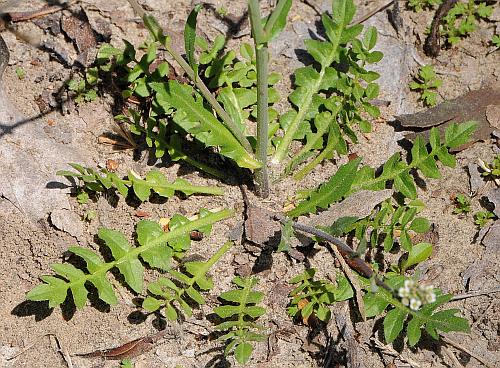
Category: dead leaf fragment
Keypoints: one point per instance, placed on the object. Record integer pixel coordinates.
(130, 349)
(78, 29)
(140, 213)
(112, 165)
(358, 205)
(478, 106)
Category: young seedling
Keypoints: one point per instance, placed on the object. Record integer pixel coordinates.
(495, 40)
(462, 19)
(491, 171)
(239, 313)
(313, 297)
(482, 218)
(426, 82)
(419, 5)
(85, 89)
(462, 205)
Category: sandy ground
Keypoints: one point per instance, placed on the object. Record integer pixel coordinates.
(30, 243)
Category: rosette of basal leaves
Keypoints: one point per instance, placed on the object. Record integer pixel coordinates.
(348, 179)
(100, 181)
(154, 248)
(183, 288)
(313, 297)
(338, 83)
(426, 318)
(239, 314)
(193, 117)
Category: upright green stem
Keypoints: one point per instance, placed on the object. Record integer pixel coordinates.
(262, 60)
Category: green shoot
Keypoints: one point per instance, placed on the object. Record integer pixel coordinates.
(462, 19)
(462, 204)
(313, 297)
(491, 171)
(482, 218)
(419, 5)
(239, 313)
(126, 363)
(85, 89)
(95, 181)
(21, 73)
(179, 291)
(426, 82)
(495, 40)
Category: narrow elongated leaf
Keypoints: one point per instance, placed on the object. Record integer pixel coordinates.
(155, 180)
(413, 331)
(194, 118)
(190, 37)
(276, 22)
(330, 192)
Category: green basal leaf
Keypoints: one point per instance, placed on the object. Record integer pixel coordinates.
(194, 118)
(393, 324)
(332, 191)
(125, 260)
(190, 37)
(155, 181)
(418, 253)
(240, 327)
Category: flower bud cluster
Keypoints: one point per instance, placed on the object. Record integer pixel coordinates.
(414, 295)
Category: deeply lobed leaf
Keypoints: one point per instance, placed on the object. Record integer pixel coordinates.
(126, 260)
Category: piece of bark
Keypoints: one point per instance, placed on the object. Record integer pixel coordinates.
(472, 106)
(432, 45)
(78, 29)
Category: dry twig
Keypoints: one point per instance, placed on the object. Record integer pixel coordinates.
(389, 350)
(455, 344)
(472, 294)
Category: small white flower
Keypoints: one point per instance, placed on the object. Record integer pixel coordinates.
(415, 304)
(409, 284)
(404, 292)
(405, 301)
(430, 298)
